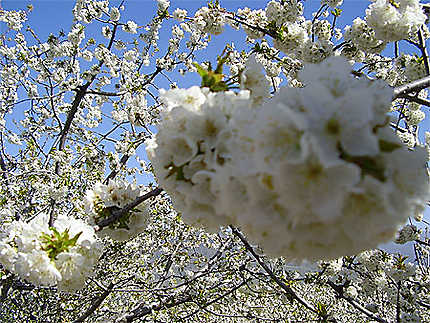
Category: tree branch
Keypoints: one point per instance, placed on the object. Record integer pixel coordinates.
(115, 172)
(414, 86)
(415, 99)
(97, 302)
(289, 291)
(424, 51)
(141, 310)
(117, 214)
(350, 300)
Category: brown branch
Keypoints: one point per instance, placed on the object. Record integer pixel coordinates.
(80, 93)
(339, 291)
(288, 290)
(97, 302)
(115, 172)
(414, 86)
(117, 214)
(140, 310)
(5, 286)
(3, 168)
(415, 99)
(423, 242)
(423, 49)
(398, 302)
(242, 21)
(216, 299)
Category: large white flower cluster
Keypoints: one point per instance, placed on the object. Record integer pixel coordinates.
(103, 199)
(395, 20)
(62, 255)
(300, 174)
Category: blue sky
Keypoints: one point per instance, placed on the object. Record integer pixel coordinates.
(51, 16)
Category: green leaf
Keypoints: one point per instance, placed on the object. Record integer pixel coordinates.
(387, 146)
(336, 12)
(200, 70)
(369, 165)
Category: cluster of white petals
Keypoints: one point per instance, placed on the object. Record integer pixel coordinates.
(332, 3)
(255, 81)
(363, 37)
(254, 18)
(210, 20)
(408, 233)
(190, 145)
(284, 11)
(410, 68)
(395, 20)
(311, 165)
(103, 199)
(63, 255)
(294, 36)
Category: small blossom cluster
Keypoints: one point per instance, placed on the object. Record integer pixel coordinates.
(310, 165)
(210, 20)
(363, 37)
(395, 20)
(374, 273)
(284, 11)
(408, 233)
(410, 68)
(103, 199)
(253, 80)
(62, 255)
(332, 3)
(14, 19)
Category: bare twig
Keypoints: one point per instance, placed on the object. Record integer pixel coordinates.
(97, 302)
(288, 290)
(350, 300)
(141, 310)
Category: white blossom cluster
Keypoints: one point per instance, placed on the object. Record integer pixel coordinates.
(375, 273)
(87, 10)
(307, 40)
(210, 20)
(395, 20)
(103, 199)
(332, 3)
(408, 233)
(254, 18)
(363, 37)
(62, 255)
(253, 80)
(410, 68)
(189, 145)
(14, 19)
(311, 165)
(284, 11)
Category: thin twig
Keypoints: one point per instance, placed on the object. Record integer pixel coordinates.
(290, 292)
(357, 306)
(98, 301)
(141, 310)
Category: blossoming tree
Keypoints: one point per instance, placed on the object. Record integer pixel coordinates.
(271, 184)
